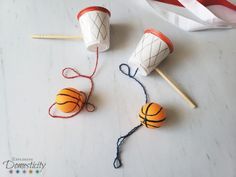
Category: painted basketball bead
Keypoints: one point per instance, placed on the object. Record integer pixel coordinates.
(70, 100)
(152, 115)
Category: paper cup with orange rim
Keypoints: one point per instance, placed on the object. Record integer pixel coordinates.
(151, 50)
(95, 26)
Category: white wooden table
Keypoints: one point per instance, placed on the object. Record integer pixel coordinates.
(194, 143)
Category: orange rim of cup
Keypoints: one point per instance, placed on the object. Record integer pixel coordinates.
(93, 8)
(162, 37)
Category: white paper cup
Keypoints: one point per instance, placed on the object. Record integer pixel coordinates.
(152, 49)
(95, 27)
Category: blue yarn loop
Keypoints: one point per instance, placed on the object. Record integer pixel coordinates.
(117, 162)
(128, 73)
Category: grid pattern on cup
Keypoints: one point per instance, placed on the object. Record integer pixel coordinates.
(147, 44)
(99, 26)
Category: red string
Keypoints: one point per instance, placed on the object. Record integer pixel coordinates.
(89, 106)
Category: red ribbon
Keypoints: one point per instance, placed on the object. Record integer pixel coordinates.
(204, 2)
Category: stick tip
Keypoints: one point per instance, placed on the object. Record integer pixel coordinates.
(193, 105)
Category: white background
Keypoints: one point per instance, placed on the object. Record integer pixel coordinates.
(193, 143)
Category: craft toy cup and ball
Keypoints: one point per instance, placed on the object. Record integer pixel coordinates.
(152, 49)
(95, 28)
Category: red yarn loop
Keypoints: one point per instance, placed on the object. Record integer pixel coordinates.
(75, 74)
(62, 117)
(66, 70)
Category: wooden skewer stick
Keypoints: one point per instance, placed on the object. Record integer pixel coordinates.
(183, 95)
(54, 36)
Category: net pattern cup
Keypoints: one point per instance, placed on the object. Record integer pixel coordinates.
(98, 28)
(149, 51)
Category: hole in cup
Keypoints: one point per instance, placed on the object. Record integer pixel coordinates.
(141, 70)
(101, 47)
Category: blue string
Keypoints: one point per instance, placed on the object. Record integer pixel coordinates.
(128, 73)
(117, 162)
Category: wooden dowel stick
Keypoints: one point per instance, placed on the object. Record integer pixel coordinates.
(183, 95)
(52, 36)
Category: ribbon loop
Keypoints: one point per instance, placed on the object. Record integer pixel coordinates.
(210, 14)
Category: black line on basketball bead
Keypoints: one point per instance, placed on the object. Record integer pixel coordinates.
(152, 114)
(67, 102)
(77, 99)
(77, 92)
(151, 125)
(146, 109)
(76, 104)
(142, 110)
(148, 120)
(145, 118)
(63, 94)
(73, 108)
(156, 113)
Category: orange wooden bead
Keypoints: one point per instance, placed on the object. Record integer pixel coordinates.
(70, 100)
(152, 115)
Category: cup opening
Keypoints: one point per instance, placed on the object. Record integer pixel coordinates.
(92, 8)
(101, 47)
(162, 37)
